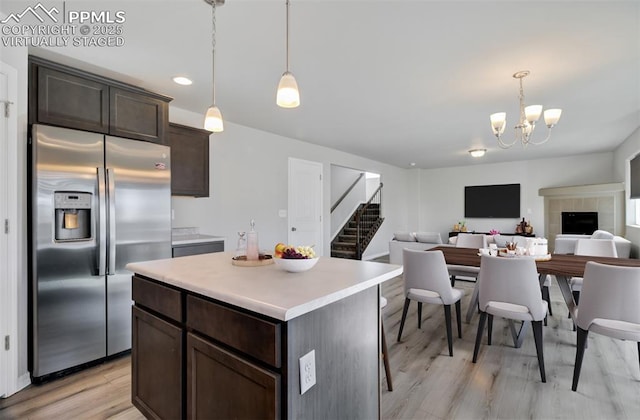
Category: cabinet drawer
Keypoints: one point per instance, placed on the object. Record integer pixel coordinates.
(156, 297)
(251, 335)
(204, 248)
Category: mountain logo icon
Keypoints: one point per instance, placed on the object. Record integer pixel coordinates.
(38, 11)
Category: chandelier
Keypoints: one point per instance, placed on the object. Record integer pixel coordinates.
(528, 117)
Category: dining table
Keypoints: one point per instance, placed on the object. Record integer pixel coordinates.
(562, 266)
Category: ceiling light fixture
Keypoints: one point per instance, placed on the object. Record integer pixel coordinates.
(476, 153)
(288, 95)
(181, 80)
(528, 117)
(213, 119)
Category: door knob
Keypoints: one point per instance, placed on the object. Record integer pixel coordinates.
(293, 229)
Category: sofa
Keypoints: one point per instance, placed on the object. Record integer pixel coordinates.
(411, 240)
(566, 243)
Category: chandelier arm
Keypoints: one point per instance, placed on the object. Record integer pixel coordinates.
(504, 145)
(536, 143)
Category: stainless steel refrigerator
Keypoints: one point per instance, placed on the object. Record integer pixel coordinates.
(97, 203)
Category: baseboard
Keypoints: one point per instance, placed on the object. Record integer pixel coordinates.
(23, 382)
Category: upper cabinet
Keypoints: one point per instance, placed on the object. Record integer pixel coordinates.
(67, 97)
(189, 160)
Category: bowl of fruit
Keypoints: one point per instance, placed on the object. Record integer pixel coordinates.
(294, 259)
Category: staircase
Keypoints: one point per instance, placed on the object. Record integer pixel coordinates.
(358, 232)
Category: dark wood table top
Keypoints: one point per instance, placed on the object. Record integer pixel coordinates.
(559, 264)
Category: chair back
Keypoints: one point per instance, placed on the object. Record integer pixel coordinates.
(596, 248)
(471, 240)
(427, 270)
(510, 280)
(609, 292)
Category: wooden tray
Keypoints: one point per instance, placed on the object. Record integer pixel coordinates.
(242, 261)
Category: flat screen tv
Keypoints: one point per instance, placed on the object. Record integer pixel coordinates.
(492, 201)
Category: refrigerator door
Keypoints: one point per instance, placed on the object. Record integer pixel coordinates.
(68, 295)
(139, 190)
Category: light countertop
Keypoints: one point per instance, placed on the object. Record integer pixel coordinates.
(191, 235)
(268, 290)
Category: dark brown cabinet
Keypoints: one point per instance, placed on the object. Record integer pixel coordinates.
(71, 101)
(137, 116)
(193, 356)
(189, 160)
(67, 97)
(196, 249)
(222, 385)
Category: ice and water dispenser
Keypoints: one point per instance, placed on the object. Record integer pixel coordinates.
(73, 216)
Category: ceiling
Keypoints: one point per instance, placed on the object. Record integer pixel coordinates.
(395, 81)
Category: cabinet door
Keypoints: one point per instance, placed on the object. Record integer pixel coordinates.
(156, 366)
(71, 101)
(137, 116)
(189, 160)
(223, 385)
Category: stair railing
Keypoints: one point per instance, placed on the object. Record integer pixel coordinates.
(371, 208)
(342, 197)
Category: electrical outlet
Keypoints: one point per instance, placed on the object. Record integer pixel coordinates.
(307, 371)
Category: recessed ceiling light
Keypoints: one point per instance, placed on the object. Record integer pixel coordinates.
(412, 164)
(181, 80)
(477, 152)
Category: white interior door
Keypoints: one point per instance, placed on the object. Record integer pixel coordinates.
(305, 204)
(8, 231)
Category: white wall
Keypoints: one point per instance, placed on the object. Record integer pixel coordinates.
(248, 180)
(442, 190)
(17, 58)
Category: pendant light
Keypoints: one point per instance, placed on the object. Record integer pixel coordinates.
(288, 95)
(213, 119)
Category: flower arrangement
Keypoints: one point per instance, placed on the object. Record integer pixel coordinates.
(494, 232)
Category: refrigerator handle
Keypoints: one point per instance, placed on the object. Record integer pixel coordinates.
(101, 255)
(112, 221)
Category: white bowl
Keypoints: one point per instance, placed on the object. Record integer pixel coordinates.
(295, 266)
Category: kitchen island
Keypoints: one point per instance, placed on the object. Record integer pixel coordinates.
(214, 340)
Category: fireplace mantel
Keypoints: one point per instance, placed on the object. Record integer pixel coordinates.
(606, 199)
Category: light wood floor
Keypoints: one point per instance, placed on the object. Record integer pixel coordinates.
(428, 384)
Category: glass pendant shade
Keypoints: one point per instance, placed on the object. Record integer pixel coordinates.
(498, 122)
(213, 120)
(532, 113)
(552, 116)
(288, 95)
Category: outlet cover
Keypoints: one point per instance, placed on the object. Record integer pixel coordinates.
(307, 371)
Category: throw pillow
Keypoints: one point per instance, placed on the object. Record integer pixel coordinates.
(428, 237)
(404, 237)
(501, 240)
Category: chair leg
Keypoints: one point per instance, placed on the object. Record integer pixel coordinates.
(546, 295)
(459, 318)
(453, 281)
(580, 346)
(638, 351)
(489, 329)
(537, 336)
(419, 315)
(576, 298)
(483, 318)
(447, 320)
(385, 358)
(407, 301)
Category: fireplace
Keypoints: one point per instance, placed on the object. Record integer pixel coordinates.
(579, 222)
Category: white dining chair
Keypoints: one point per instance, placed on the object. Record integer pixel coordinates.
(426, 280)
(594, 248)
(608, 306)
(510, 288)
(467, 240)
